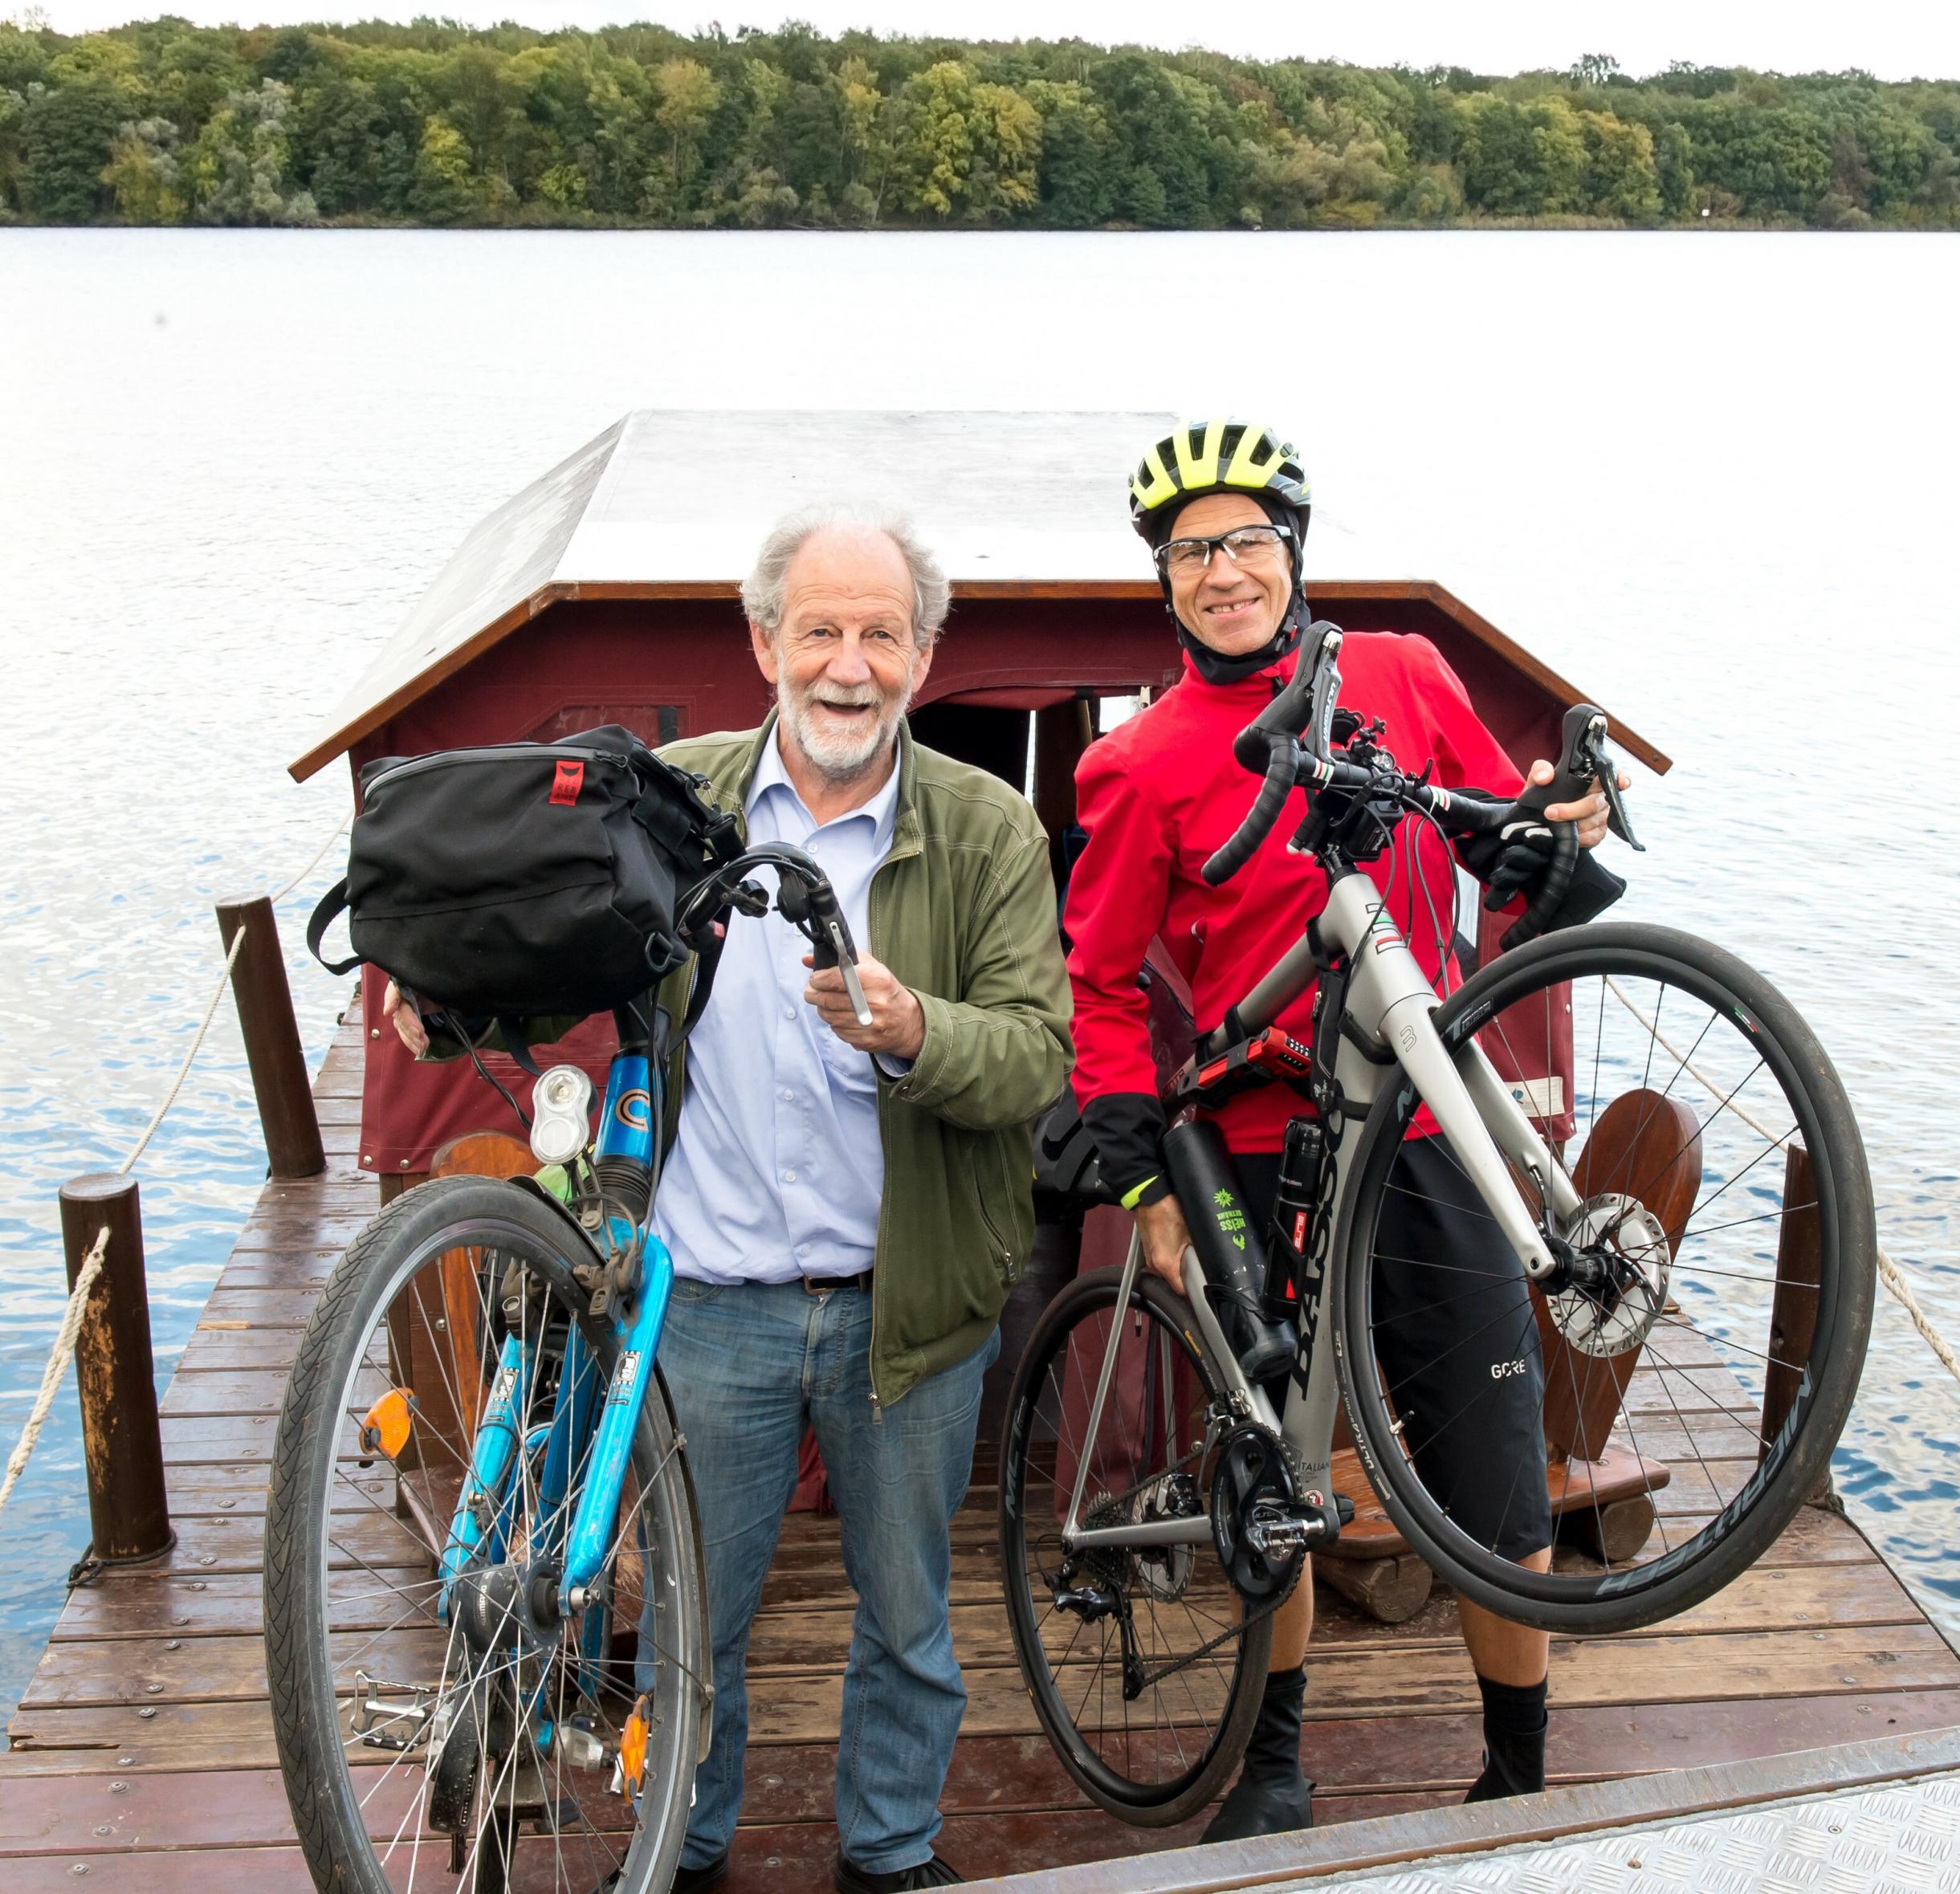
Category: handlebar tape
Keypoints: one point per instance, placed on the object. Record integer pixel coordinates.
(1281, 764)
(1551, 894)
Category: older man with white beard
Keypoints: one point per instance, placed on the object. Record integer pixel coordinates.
(846, 1205)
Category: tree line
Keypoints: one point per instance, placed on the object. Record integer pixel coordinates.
(161, 122)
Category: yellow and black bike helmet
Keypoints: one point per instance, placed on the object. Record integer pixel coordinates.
(1218, 457)
(1225, 456)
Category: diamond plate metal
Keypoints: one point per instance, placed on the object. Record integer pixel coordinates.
(1904, 1840)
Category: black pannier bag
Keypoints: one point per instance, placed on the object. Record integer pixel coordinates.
(520, 879)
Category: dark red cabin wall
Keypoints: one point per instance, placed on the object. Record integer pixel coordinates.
(668, 668)
(684, 666)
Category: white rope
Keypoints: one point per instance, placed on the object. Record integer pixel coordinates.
(1888, 1272)
(63, 1350)
(57, 1361)
(339, 828)
(183, 1071)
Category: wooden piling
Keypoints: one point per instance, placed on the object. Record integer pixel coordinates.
(129, 1509)
(280, 1076)
(1793, 1311)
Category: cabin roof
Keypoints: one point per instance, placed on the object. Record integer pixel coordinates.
(669, 502)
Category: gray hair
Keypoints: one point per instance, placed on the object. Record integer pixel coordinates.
(762, 591)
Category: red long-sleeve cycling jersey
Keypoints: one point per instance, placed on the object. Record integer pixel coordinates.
(1158, 795)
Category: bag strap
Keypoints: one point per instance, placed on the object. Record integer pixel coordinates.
(330, 905)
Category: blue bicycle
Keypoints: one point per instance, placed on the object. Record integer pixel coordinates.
(486, 1626)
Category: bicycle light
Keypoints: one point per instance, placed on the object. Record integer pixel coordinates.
(561, 1105)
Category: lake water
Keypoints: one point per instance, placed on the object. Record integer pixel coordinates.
(1709, 477)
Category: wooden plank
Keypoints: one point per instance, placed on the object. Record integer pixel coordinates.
(297, 1268)
(230, 1540)
(217, 1655)
(803, 1707)
(260, 1870)
(223, 1605)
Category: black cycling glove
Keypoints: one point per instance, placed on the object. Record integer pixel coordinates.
(1128, 1129)
(1510, 861)
(1513, 862)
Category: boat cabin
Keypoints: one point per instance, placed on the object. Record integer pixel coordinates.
(606, 592)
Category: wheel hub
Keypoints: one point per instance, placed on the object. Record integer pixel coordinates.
(1619, 1286)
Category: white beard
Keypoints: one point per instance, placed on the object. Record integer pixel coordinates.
(841, 756)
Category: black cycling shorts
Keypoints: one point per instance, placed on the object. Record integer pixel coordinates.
(1458, 1342)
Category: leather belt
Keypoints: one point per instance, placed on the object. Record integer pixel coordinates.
(822, 1285)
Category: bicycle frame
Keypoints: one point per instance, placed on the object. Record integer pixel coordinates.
(1388, 1007)
(628, 1129)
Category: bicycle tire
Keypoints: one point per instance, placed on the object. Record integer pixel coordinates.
(1760, 1500)
(1159, 1801)
(437, 1221)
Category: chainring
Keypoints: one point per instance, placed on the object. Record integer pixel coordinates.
(1255, 1482)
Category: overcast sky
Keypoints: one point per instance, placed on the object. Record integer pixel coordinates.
(1893, 38)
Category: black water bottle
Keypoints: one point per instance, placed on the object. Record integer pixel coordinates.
(1230, 1246)
(1293, 1205)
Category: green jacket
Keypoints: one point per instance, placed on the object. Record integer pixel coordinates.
(963, 911)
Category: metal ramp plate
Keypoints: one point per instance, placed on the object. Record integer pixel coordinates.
(1901, 1840)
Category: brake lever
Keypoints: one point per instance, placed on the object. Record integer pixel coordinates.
(831, 946)
(1606, 773)
(1584, 760)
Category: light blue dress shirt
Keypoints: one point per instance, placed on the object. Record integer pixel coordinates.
(777, 1169)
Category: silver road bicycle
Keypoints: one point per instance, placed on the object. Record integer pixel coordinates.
(1635, 1123)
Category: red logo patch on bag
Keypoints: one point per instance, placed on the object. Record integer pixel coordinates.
(566, 784)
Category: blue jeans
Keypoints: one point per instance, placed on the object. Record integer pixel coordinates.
(748, 1366)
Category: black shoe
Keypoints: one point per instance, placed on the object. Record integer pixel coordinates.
(1271, 1795)
(697, 1880)
(1515, 1722)
(1259, 1807)
(848, 1878)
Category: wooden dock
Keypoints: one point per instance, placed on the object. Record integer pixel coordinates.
(142, 1751)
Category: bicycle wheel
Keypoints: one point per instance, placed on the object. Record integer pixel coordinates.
(1678, 1385)
(487, 1743)
(1144, 1678)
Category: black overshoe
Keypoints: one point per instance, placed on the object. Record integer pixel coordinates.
(697, 1880)
(848, 1878)
(1515, 1720)
(1271, 1795)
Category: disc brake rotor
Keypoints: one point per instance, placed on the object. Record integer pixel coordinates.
(1624, 1239)
(1163, 1571)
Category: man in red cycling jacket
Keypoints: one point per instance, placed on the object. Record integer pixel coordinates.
(1225, 507)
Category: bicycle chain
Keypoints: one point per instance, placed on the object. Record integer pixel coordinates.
(1211, 1644)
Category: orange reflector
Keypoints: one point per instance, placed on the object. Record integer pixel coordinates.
(632, 1752)
(384, 1428)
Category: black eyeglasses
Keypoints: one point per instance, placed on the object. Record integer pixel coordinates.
(1244, 545)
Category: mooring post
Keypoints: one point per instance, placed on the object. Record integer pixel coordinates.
(122, 1441)
(272, 1046)
(1793, 1308)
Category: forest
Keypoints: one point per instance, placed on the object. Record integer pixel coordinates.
(161, 122)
